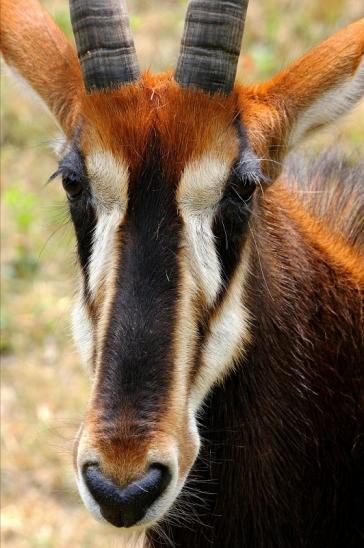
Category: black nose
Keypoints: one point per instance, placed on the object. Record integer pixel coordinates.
(125, 506)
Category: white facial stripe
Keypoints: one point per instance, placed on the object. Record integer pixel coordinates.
(109, 183)
(204, 260)
(202, 183)
(229, 335)
(330, 105)
(82, 331)
(109, 180)
(201, 187)
(104, 242)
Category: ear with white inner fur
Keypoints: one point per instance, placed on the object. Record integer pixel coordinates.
(33, 44)
(315, 90)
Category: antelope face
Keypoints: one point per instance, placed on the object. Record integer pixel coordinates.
(160, 175)
(161, 213)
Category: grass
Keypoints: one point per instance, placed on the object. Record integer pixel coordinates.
(44, 390)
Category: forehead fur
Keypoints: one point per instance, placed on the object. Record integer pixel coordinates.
(186, 123)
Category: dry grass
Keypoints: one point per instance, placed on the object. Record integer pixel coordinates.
(44, 389)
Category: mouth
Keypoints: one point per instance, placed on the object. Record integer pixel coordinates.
(126, 506)
(133, 484)
(139, 503)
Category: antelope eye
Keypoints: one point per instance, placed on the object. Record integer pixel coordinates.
(243, 189)
(72, 185)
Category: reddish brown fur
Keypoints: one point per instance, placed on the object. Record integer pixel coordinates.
(270, 110)
(187, 122)
(33, 44)
(339, 253)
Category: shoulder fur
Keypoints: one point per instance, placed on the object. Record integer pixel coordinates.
(331, 187)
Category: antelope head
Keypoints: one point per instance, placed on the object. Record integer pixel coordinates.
(163, 174)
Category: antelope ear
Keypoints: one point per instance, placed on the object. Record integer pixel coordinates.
(315, 90)
(40, 52)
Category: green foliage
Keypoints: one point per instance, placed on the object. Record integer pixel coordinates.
(135, 22)
(63, 20)
(21, 206)
(24, 265)
(264, 59)
(5, 332)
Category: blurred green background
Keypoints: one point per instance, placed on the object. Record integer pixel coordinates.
(44, 389)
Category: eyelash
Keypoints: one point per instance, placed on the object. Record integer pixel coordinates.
(245, 189)
(240, 191)
(72, 184)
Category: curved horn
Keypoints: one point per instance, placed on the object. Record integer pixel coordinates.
(211, 44)
(104, 43)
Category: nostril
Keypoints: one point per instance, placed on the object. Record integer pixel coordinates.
(125, 506)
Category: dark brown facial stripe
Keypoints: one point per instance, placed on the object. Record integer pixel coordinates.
(231, 224)
(231, 227)
(75, 181)
(136, 367)
(84, 220)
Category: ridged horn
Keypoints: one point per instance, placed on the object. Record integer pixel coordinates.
(104, 43)
(211, 44)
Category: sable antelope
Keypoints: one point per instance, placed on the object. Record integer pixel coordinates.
(215, 302)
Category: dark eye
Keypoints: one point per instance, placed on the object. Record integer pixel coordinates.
(243, 189)
(72, 185)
